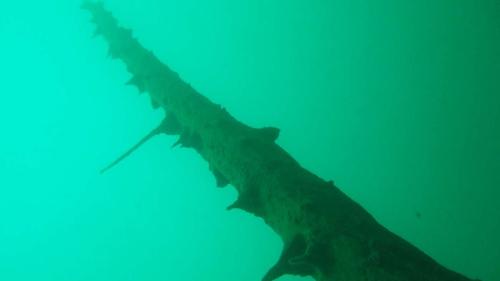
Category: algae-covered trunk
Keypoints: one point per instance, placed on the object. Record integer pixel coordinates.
(325, 234)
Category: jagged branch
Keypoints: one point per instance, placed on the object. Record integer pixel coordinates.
(325, 234)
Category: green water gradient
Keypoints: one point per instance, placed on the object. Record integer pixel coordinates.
(397, 102)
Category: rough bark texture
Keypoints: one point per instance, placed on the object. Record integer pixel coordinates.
(325, 234)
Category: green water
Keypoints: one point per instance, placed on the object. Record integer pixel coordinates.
(396, 101)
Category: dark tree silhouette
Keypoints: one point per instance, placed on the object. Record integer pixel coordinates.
(325, 234)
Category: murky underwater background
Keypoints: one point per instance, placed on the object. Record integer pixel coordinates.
(397, 102)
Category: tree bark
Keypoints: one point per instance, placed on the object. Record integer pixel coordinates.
(325, 234)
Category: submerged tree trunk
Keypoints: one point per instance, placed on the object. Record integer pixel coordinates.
(325, 234)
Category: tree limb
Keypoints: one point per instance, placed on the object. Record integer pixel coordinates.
(325, 234)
